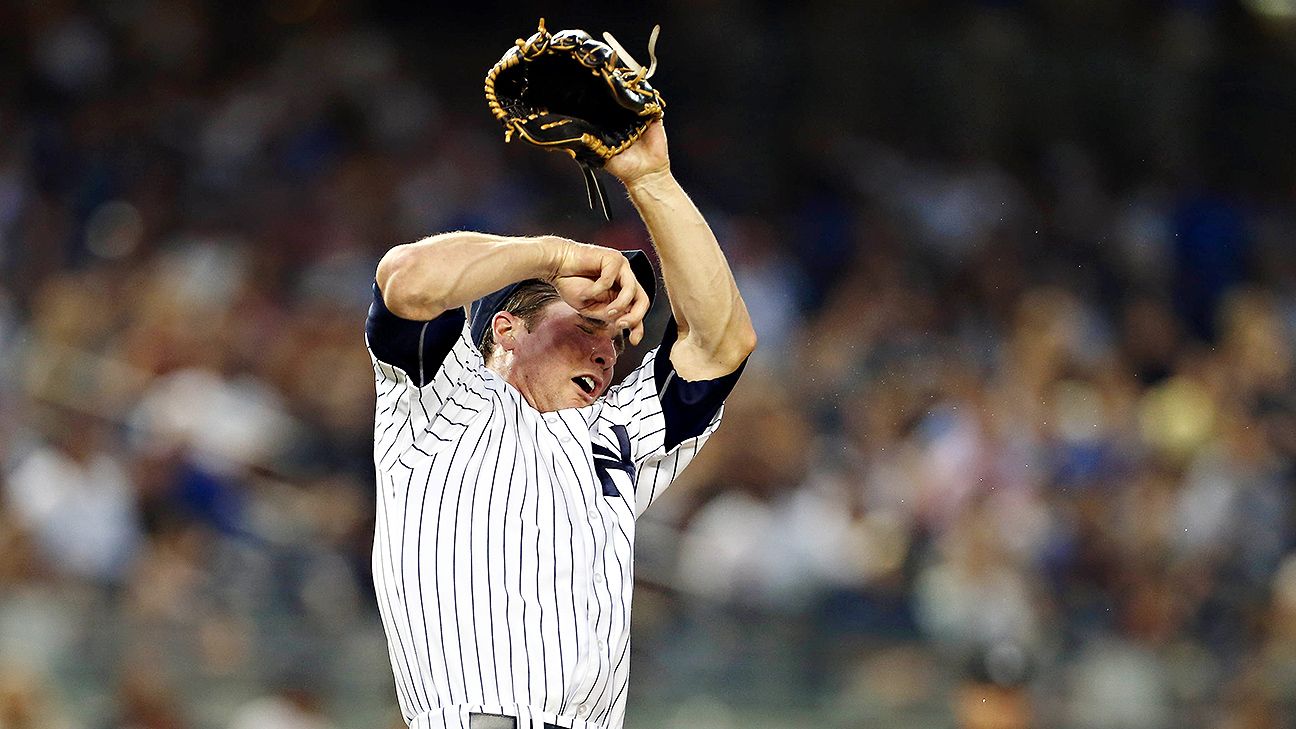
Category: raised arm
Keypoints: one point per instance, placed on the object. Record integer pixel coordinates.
(715, 330)
(422, 280)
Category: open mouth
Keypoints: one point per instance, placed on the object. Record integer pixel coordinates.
(585, 383)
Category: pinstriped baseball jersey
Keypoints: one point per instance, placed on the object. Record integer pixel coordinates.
(504, 541)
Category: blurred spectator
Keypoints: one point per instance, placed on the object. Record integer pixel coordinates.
(26, 702)
(995, 692)
(974, 596)
(145, 701)
(77, 501)
(290, 708)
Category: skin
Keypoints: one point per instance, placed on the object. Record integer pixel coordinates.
(542, 361)
(600, 296)
(422, 280)
(715, 330)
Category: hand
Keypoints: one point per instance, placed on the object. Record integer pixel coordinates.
(647, 157)
(599, 283)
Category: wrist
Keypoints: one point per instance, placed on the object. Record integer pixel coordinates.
(555, 251)
(649, 180)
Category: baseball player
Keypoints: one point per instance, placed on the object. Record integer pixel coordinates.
(510, 470)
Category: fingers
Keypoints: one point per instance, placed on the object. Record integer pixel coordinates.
(600, 283)
(608, 276)
(628, 285)
(635, 317)
(631, 305)
(579, 293)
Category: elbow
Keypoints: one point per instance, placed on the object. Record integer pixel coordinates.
(695, 361)
(404, 291)
(746, 343)
(739, 346)
(411, 303)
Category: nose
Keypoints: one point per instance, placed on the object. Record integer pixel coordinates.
(604, 353)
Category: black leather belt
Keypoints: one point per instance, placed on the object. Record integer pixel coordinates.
(497, 721)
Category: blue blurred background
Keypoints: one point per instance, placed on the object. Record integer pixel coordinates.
(1016, 449)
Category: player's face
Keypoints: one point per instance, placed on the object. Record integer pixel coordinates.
(565, 360)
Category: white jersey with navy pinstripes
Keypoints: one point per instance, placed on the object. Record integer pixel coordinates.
(504, 540)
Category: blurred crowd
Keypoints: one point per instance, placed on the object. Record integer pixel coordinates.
(1016, 449)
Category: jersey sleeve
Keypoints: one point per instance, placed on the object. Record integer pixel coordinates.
(668, 417)
(438, 352)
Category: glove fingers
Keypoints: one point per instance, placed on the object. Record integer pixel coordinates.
(571, 92)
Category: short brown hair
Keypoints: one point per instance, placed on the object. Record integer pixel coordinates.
(526, 303)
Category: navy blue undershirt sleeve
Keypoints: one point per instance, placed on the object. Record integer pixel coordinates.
(399, 342)
(687, 406)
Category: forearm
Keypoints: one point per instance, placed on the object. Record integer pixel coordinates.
(713, 321)
(422, 280)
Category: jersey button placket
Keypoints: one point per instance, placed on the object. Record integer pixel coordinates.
(562, 428)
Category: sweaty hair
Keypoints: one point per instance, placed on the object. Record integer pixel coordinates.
(526, 303)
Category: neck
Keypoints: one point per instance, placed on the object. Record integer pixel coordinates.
(502, 364)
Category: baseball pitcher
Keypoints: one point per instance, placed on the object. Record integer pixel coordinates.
(510, 469)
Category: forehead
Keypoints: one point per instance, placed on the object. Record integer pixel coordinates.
(561, 314)
(559, 311)
(562, 311)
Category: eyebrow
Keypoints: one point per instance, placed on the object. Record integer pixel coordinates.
(619, 339)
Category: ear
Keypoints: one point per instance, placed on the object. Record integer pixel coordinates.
(505, 326)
